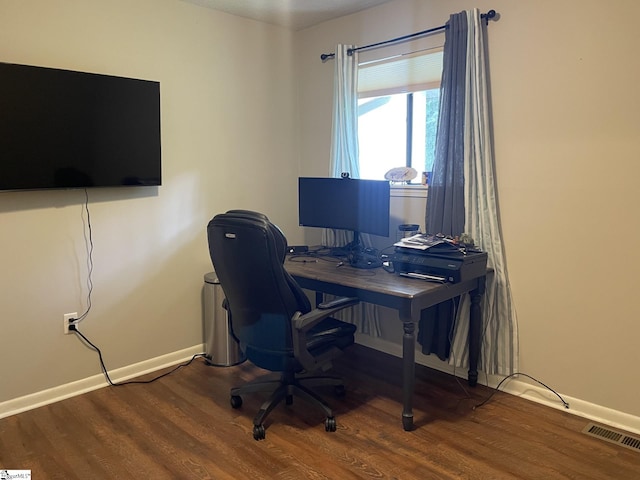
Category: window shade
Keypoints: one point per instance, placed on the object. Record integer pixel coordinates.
(401, 74)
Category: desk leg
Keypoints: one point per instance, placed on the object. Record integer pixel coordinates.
(475, 331)
(408, 372)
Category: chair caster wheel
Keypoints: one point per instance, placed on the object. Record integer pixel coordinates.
(236, 401)
(330, 424)
(340, 391)
(258, 432)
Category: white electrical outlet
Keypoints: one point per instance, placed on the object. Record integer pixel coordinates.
(67, 317)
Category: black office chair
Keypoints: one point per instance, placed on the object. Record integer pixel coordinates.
(272, 317)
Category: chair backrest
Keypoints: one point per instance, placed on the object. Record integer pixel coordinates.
(248, 252)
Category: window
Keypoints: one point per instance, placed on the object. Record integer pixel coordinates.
(398, 113)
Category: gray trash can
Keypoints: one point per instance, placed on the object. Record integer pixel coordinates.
(221, 348)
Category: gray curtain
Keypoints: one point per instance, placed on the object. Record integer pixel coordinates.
(445, 207)
(465, 184)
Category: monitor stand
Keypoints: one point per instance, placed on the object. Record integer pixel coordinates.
(360, 256)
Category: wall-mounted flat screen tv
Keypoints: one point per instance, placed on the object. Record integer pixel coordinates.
(66, 129)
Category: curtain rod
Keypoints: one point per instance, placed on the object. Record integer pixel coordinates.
(325, 56)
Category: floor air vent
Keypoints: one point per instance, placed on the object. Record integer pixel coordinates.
(613, 436)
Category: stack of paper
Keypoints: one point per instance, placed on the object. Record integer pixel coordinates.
(421, 241)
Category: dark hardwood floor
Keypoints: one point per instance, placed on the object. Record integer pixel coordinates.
(182, 427)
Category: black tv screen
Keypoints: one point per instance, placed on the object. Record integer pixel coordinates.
(66, 129)
(344, 203)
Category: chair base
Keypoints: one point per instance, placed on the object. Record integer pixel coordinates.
(285, 386)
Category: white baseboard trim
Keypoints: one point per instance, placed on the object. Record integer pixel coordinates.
(517, 387)
(55, 394)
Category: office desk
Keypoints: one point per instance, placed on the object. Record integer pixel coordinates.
(406, 295)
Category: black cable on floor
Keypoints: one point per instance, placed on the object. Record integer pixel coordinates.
(118, 384)
(566, 404)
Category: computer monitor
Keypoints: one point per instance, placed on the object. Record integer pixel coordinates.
(361, 206)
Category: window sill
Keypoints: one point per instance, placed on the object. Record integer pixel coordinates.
(417, 190)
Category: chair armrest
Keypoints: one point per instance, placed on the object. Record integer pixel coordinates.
(337, 302)
(302, 323)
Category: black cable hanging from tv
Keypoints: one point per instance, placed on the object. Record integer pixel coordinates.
(325, 56)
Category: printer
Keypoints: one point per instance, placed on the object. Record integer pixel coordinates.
(439, 264)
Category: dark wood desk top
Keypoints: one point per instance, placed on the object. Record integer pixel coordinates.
(375, 285)
(375, 279)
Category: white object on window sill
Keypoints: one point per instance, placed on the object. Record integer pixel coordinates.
(401, 174)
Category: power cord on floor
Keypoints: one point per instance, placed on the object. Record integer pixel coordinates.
(129, 382)
(565, 403)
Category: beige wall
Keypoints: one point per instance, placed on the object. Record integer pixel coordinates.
(565, 107)
(227, 139)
